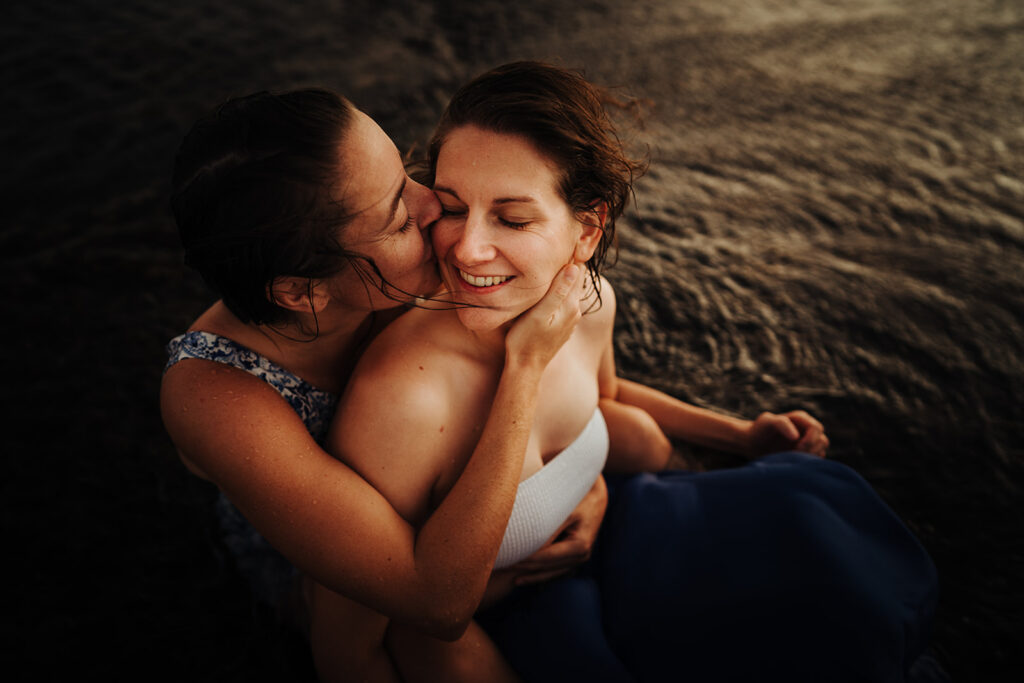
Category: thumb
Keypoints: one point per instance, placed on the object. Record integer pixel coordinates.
(542, 330)
(563, 283)
(787, 428)
(553, 306)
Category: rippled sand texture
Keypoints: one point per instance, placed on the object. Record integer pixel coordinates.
(833, 219)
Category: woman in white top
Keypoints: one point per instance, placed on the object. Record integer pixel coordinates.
(531, 177)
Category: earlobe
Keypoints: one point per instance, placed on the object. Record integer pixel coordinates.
(592, 223)
(300, 294)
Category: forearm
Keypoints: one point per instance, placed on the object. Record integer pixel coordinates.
(456, 548)
(686, 421)
(454, 551)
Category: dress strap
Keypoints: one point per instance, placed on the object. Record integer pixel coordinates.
(315, 406)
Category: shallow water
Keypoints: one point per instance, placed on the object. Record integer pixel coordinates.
(833, 220)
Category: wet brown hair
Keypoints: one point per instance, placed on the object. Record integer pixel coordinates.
(564, 116)
(255, 198)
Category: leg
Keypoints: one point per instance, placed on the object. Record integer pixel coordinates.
(637, 443)
(555, 632)
(347, 639)
(790, 568)
(473, 658)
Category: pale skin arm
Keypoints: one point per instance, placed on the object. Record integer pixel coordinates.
(329, 521)
(769, 432)
(641, 419)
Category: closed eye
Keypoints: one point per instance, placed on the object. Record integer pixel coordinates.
(408, 225)
(513, 224)
(517, 225)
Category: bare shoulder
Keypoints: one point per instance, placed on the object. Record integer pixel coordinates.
(400, 375)
(391, 386)
(395, 423)
(218, 415)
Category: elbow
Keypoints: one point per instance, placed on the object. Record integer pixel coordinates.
(448, 619)
(447, 626)
(453, 618)
(452, 631)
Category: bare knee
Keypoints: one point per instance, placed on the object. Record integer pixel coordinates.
(473, 658)
(636, 442)
(347, 639)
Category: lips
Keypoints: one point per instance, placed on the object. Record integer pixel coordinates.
(483, 280)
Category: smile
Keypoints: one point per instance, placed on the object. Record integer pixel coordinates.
(485, 281)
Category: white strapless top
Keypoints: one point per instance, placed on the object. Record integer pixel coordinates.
(546, 498)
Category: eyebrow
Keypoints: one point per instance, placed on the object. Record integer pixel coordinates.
(500, 200)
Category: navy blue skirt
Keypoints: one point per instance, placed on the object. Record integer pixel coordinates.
(790, 568)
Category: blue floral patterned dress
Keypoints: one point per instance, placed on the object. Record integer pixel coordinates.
(271, 577)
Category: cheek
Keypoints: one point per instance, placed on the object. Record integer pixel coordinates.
(400, 258)
(416, 243)
(414, 253)
(559, 245)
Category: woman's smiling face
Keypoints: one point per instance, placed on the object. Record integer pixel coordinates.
(505, 231)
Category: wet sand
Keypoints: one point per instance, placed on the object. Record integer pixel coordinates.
(833, 220)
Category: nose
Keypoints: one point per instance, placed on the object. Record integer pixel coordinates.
(473, 244)
(423, 204)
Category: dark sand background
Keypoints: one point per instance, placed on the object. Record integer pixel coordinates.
(834, 219)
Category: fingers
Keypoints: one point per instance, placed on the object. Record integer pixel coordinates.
(539, 577)
(565, 281)
(567, 553)
(814, 442)
(795, 430)
(564, 298)
(781, 424)
(812, 439)
(557, 297)
(804, 419)
(553, 560)
(541, 331)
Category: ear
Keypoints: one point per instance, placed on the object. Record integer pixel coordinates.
(592, 222)
(300, 294)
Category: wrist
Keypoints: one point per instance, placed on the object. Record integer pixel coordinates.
(526, 366)
(518, 388)
(745, 438)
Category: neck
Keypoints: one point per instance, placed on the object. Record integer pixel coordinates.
(315, 335)
(490, 343)
(482, 345)
(321, 351)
